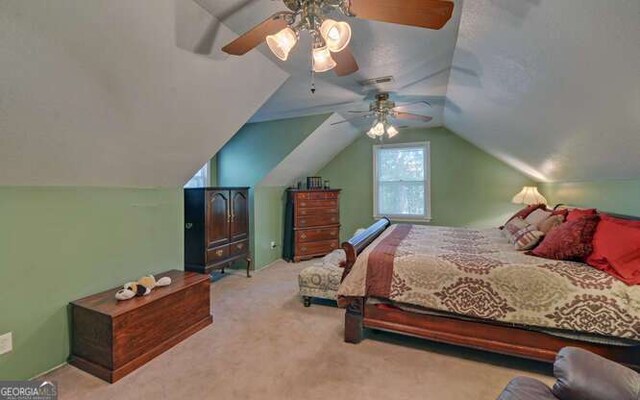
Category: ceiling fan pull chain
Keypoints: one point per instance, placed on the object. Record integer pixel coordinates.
(313, 82)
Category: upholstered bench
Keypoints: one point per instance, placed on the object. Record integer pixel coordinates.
(323, 279)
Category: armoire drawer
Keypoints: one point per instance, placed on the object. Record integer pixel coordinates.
(313, 235)
(218, 254)
(237, 248)
(317, 220)
(321, 247)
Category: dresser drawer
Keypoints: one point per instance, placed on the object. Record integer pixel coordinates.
(238, 248)
(323, 203)
(317, 220)
(218, 254)
(316, 195)
(313, 235)
(303, 212)
(317, 248)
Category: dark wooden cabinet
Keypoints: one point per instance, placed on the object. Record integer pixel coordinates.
(312, 226)
(216, 228)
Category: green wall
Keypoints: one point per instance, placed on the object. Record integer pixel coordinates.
(247, 158)
(617, 196)
(468, 186)
(60, 244)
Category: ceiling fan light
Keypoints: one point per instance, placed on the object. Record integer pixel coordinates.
(336, 34)
(392, 131)
(378, 129)
(282, 43)
(322, 60)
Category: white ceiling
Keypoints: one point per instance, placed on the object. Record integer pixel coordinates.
(551, 87)
(320, 147)
(419, 59)
(97, 93)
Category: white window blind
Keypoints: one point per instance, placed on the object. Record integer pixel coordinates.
(401, 181)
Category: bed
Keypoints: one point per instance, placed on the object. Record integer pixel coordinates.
(470, 287)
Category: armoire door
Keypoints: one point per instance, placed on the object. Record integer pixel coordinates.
(239, 228)
(217, 218)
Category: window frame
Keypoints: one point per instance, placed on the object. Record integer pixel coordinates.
(207, 178)
(427, 182)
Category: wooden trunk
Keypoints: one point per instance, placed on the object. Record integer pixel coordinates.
(112, 338)
(216, 228)
(313, 223)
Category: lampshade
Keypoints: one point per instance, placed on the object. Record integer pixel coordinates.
(282, 42)
(322, 60)
(391, 131)
(337, 35)
(529, 195)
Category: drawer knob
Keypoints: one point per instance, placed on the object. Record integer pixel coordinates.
(240, 245)
(303, 204)
(303, 236)
(303, 249)
(334, 233)
(219, 253)
(333, 245)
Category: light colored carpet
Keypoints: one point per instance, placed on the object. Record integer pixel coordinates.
(264, 344)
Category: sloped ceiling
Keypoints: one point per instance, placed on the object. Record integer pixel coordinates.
(551, 87)
(98, 93)
(419, 60)
(320, 147)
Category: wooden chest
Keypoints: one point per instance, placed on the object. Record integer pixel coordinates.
(110, 339)
(314, 224)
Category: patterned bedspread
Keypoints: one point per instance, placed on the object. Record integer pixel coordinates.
(476, 273)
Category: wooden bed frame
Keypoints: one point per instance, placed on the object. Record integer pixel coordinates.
(478, 335)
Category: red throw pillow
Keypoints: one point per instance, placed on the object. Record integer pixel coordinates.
(524, 213)
(577, 213)
(570, 241)
(563, 212)
(616, 249)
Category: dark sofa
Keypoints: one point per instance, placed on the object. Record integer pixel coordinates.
(581, 375)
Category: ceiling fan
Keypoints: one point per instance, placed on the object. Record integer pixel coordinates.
(382, 109)
(331, 38)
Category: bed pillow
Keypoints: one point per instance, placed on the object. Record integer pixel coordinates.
(578, 213)
(512, 227)
(537, 216)
(562, 212)
(550, 223)
(524, 213)
(570, 241)
(616, 249)
(527, 238)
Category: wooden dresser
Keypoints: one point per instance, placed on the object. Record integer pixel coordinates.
(216, 230)
(312, 223)
(112, 338)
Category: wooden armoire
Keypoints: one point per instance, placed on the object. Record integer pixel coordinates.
(216, 231)
(312, 223)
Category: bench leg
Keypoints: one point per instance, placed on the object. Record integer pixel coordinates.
(307, 301)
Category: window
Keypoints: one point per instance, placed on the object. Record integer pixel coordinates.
(200, 179)
(401, 181)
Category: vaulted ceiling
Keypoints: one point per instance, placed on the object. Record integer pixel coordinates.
(551, 88)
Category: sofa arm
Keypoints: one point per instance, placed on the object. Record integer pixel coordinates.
(582, 375)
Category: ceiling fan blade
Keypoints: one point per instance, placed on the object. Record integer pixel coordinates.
(351, 119)
(359, 112)
(257, 35)
(432, 14)
(414, 117)
(347, 63)
(401, 106)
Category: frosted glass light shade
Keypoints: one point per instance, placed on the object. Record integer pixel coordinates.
(282, 42)
(529, 195)
(322, 60)
(392, 131)
(337, 35)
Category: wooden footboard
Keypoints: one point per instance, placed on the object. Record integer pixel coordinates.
(488, 336)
